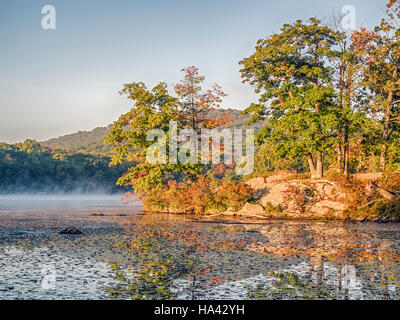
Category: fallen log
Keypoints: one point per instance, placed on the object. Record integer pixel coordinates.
(383, 215)
(368, 204)
(385, 194)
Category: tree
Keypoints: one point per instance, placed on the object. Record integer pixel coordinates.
(194, 104)
(293, 72)
(31, 146)
(350, 98)
(45, 171)
(379, 51)
(155, 109)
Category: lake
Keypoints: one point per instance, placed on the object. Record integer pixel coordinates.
(125, 254)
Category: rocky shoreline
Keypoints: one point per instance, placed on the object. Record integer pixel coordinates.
(279, 197)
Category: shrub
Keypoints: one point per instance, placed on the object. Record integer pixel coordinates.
(391, 181)
(270, 208)
(295, 198)
(202, 196)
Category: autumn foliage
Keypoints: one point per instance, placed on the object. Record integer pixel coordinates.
(202, 196)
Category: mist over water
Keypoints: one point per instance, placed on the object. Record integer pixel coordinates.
(73, 201)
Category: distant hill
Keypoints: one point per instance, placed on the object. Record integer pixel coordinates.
(82, 141)
(92, 142)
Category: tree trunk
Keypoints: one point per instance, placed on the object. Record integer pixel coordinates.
(320, 166)
(311, 165)
(346, 155)
(382, 161)
(386, 126)
(346, 161)
(385, 135)
(339, 158)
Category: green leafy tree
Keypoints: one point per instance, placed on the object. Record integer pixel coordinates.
(56, 171)
(155, 109)
(292, 71)
(354, 126)
(31, 146)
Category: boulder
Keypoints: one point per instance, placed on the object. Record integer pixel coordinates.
(251, 209)
(70, 230)
(256, 183)
(189, 210)
(230, 212)
(325, 207)
(275, 179)
(277, 195)
(369, 176)
(96, 214)
(328, 190)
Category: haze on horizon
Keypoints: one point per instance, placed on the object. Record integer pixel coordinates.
(55, 82)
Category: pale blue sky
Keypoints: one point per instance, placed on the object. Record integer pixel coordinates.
(60, 81)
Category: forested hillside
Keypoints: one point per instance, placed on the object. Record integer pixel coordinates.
(75, 162)
(92, 141)
(30, 168)
(82, 141)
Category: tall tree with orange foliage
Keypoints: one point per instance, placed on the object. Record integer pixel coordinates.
(194, 103)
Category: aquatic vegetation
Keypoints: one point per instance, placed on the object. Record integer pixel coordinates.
(155, 266)
(163, 253)
(153, 281)
(291, 286)
(177, 257)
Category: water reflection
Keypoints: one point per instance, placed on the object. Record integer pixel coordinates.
(175, 257)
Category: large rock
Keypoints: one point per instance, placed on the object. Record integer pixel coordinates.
(271, 180)
(277, 195)
(71, 230)
(96, 214)
(325, 207)
(256, 183)
(251, 209)
(368, 176)
(320, 197)
(329, 190)
(259, 187)
(260, 183)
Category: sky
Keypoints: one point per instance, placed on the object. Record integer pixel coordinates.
(59, 81)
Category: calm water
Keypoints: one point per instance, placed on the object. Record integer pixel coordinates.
(125, 254)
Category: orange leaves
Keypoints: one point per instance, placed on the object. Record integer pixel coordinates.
(363, 41)
(391, 3)
(191, 71)
(202, 196)
(209, 124)
(194, 102)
